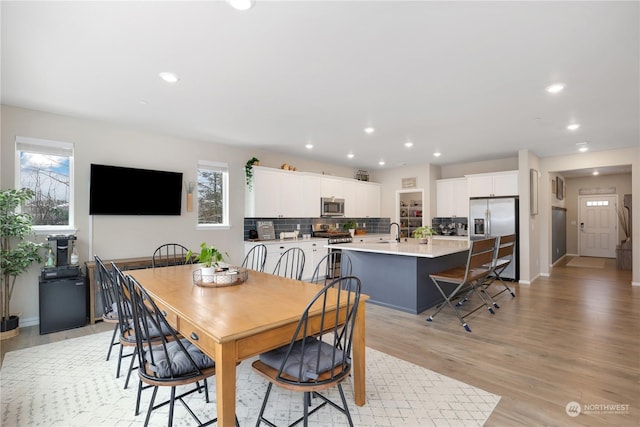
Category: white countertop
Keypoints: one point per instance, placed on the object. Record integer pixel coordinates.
(279, 242)
(435, 248)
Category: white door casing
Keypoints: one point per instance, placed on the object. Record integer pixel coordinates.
(597, 229)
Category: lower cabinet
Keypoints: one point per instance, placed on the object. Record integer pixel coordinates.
(313, 249)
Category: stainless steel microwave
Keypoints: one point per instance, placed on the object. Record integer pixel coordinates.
(330, 206)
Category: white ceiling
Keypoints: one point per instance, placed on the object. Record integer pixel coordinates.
(463, 78)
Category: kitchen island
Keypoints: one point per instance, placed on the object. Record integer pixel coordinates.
(396, 275)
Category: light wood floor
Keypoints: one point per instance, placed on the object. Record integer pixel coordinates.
(571, 337)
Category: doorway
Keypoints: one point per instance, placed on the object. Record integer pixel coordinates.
(597, 235)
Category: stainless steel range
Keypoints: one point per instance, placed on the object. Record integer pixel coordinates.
(334, 237)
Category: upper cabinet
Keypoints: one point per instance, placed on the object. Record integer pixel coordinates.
(493, 184)
(277, 193)
(452, 199)
(366, 201)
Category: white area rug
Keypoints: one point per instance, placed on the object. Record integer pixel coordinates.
(69, 383)
(586, 262)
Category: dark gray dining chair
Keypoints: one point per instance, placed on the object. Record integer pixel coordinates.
(256, 258)
(333, 265)
(290, 264)
(170, 254)
(321, 359)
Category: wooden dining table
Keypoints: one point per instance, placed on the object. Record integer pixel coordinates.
(234, 323)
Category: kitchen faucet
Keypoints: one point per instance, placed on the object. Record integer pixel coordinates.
(398, 230)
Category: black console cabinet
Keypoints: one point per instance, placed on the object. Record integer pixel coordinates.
(63, 303)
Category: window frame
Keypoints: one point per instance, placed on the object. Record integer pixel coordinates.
(224, 169)
(48, 147)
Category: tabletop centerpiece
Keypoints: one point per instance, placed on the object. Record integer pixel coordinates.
(213, 273)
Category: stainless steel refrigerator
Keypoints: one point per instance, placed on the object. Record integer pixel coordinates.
(493, 217)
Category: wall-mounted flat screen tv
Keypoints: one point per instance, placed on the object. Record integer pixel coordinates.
(116, 190)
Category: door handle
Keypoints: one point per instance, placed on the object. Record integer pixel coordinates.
(582, 226)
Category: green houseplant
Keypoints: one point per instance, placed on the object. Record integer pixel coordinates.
(17, 253)
(248, 169)
(211, 257)
(351, 226)
(423, 233)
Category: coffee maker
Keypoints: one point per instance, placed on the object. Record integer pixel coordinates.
(58, 261)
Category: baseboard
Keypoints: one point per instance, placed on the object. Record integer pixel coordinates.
(635, 283)
(29, 321)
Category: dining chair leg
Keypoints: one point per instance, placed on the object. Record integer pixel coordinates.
(153, 398)
(264, 405)
(131, 368)
(139, 396)
(307, 403)
(113, 341)
(171, 404)
(344, 405)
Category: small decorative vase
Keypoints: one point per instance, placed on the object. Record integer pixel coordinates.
(352, 231)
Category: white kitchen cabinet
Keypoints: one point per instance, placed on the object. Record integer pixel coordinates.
(366, 200)
(349, 192)
(311, 185)
(332, 187)
(451, 198)
(493, 184)
(275, 193)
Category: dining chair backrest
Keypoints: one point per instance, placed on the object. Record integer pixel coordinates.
(328, 335)
(170, 254)
(333, 265)
(158, 352)
(105, 279)
(256, 258)
(290, 264)
(124, 302)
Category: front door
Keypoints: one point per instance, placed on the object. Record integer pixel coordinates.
(598, 232)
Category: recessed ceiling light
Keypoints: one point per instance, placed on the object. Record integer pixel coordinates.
(169, 77)
(437, 154)
(369, 129)
(596, 173)
(573, 126)
(309, 146)
(241, 4)
(381, 162)
(408, 144)
(555, 88)
(350, 155)
(582, 146)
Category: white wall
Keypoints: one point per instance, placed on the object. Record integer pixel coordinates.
(132, 236)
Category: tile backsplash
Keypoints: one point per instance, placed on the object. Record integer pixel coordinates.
(372, 225)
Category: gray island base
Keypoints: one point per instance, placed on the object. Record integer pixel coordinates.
(396, 275)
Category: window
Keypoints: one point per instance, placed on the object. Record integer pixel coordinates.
(597, 203)
(46, 167)
(213, 194)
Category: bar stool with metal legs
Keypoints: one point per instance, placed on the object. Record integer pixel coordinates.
(466, 278)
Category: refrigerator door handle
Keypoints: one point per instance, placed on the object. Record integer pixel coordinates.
(488, 221)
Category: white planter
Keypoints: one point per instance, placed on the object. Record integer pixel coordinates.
(208, 274)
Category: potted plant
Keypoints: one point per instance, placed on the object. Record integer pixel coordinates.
(17, 253)
(248, 169)
(210, 257)
(351, 226)
(423, 234)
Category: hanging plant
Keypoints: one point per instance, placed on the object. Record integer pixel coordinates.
(248, 169)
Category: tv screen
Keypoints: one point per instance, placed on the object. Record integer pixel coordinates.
(118, 190)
